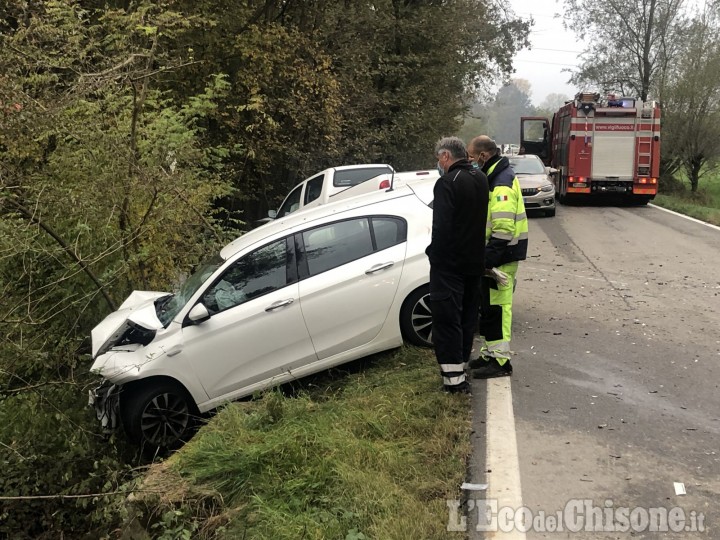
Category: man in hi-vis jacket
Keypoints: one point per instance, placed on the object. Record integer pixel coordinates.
(506, 235)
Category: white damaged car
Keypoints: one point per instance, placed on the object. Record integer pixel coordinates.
(293, 297)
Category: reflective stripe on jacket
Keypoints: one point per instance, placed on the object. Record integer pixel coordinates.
(506, 232)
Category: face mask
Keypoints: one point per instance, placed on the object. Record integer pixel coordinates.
(440, 169)
(475, 165)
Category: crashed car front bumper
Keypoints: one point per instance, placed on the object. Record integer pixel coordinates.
(105, 400)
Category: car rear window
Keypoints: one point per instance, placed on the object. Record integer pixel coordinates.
(353, 177)
(388, 232)
(527, 166)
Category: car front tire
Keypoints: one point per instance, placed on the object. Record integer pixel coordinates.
(416, 318)
(158, 415)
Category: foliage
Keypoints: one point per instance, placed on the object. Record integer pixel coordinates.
(50, 447)
(551, 104)
(348, 460)
(631, 43)
(106, 185)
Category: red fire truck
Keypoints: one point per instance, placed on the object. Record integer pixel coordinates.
(599, 146)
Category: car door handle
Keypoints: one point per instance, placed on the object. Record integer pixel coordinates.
(175, 349)
(279, 304)
(378, 267)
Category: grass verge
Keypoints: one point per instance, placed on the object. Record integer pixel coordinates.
(703, 205)
(373, 454)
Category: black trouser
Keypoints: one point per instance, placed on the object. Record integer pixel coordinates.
(491, 327)
(455, 301)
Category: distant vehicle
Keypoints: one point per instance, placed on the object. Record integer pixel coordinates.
(599, 146)
(290, 298)
(326, 184)
(536, 183)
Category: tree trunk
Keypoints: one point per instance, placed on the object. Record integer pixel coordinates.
(646, 66)
(694, 166)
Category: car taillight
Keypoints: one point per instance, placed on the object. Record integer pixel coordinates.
(385, 184)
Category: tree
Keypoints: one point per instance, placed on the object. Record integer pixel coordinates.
(554, 101)
(691, 115)
(500, 118)
(632, 43)
(106, 185)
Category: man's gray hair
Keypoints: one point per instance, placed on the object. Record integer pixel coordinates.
(453, 145)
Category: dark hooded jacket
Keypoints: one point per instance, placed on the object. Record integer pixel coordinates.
(460, 208)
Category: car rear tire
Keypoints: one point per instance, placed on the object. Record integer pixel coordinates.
(158, 415)
(416, 318)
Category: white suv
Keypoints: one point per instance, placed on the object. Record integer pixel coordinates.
(293, 297)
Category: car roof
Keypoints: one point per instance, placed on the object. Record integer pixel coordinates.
(315, 213)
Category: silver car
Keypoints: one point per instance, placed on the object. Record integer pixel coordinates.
(536, 183)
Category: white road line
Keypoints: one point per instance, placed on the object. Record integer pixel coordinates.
(686, 217)
(502, 454)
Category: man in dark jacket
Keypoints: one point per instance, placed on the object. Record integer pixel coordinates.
(507, 241)
(456, 254)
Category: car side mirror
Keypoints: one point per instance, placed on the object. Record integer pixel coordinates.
(551, 171)
(272, 214)
(198, 314)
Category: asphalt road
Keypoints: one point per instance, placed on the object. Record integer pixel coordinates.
(615, 391)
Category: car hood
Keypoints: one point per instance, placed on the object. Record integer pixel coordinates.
(138, 308)
(532, 180)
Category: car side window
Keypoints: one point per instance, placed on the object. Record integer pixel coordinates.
(388, 232)
(254, 275)
(336, 244)
(314, 188)
(291, 202)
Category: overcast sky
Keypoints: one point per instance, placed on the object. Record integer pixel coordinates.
(553, 49)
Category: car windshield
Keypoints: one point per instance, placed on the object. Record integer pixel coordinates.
(168, 307)
(527, 166)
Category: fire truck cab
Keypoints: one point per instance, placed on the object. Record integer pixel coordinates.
(599, 146)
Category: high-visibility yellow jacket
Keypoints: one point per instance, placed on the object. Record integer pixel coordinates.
(506, 232)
